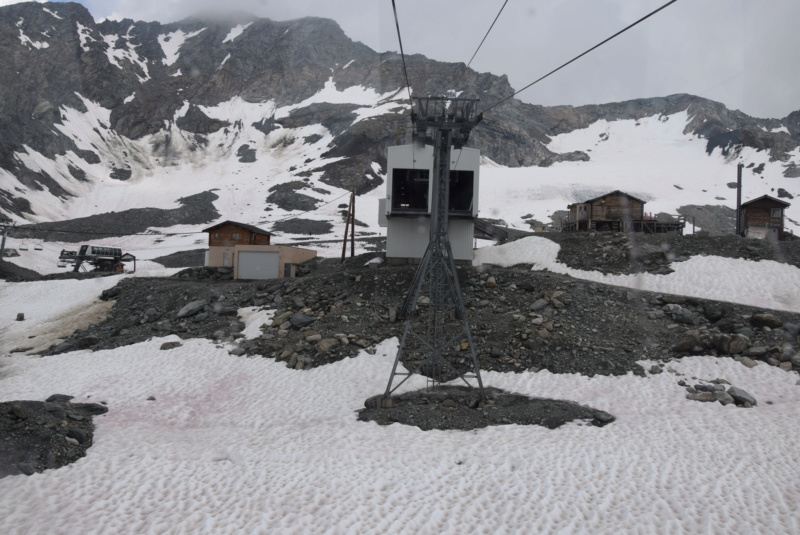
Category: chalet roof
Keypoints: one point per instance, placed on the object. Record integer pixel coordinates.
(251, 228)
(767, 198)
(615, 192)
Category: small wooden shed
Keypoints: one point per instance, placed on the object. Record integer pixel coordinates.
(248, 251)
(762, 218)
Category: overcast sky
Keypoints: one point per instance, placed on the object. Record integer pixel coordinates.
(743, 53)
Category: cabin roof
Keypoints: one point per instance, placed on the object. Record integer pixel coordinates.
(615, 192)
(767, 198)
(251, 228)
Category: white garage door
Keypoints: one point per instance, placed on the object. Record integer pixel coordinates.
(258, 265)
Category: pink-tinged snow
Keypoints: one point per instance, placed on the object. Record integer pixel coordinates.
(766, 284)
(246, 445)
(171, 44)
(235, 32)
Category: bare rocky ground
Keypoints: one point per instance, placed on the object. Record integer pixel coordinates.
(520, 319)
(38, 435)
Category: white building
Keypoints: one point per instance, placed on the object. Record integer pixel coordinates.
(406, 209)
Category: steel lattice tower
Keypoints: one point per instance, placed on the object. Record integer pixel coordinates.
(437, 341)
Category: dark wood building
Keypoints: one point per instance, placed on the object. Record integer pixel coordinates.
(231, 233)
(763, 218)
(619, 212)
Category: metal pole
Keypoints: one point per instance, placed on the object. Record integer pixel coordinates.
(353, 224)
(739, 199)
(3, 244)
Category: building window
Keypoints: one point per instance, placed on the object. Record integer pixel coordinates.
(216, 235)
(462, 184)
(777, 212)
(410, 189)
(235, 235)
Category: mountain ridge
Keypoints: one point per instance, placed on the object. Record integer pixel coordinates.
(86, 103)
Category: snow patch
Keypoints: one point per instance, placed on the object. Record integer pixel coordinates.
(235, 32)
(129, 98)
(27, 41)
(85, 36)
(224, 61)
(171, 44)
(115, 55)
(52, 13)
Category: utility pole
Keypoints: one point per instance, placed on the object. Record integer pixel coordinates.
(739, 199)
(437, 341)
(350, 225)
(3, 243)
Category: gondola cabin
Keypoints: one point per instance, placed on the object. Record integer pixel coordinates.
(406, 210)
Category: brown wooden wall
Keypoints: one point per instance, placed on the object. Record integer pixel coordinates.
(617, 208)
(224, 236)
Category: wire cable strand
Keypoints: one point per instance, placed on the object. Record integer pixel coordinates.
(455, 84)
(581, 55)
(402, 54)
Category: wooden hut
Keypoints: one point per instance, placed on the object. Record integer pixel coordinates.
(247, 251)
(762, 218)
(619, 212)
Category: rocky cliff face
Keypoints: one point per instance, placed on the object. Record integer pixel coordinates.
(83, 102)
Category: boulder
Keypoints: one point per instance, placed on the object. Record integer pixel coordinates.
(191, 308)
(766, 320)
(300, 320)
(741, 396)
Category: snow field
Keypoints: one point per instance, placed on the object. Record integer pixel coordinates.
(245, 445)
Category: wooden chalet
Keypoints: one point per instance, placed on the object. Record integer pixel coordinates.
(619, 212)
(248, 252)
(762, 218)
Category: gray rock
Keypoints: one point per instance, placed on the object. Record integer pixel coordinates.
(741, 396)
(326, 344)
(756, 351)
(701, 396)
(792, 328)
(766, 320)
(746, 361)
(723, 397)
(21, 316)
(300, 320)
(795, 360)
(170, 345)
(191, 308)
(237, 351)
(538, 305)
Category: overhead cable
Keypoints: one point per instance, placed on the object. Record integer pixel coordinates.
(402, 54)
(455, 84)
(581, 55)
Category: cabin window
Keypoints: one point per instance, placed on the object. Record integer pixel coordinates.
(216, 235)
(235, 235)
(410, 189)
(777, 212)
(461, 191)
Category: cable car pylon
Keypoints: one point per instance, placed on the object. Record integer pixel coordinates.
(437, 341)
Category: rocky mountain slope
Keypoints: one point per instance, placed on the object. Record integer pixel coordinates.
(93, 113)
